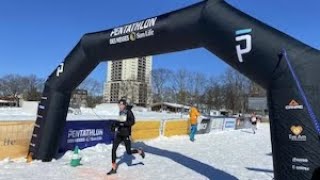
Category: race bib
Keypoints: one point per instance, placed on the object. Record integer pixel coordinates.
(122, 118)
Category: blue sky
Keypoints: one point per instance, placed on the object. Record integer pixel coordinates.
(36, 35)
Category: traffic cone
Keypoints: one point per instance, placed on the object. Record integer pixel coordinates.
(75, 161)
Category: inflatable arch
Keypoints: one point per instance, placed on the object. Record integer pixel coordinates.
(284, 66)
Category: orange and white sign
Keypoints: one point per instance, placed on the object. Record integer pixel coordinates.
(294, 105)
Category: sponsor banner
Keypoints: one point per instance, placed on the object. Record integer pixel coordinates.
(132, 32)
(229, 124)
(293, 105)
(217, 123)
(300, 164)
(297, 134)
(86, 134)
(204, 126)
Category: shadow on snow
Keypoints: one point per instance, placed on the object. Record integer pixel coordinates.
(195, 165)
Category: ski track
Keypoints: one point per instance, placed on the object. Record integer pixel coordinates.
(237, 154)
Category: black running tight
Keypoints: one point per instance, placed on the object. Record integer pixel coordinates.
(127, 142)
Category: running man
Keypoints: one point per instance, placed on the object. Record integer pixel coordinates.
(254, 122)
(122, 129)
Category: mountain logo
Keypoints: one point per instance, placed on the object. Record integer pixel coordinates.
(293, 105)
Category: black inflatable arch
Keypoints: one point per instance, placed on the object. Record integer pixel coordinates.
(284, 66)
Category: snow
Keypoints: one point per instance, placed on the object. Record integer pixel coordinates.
(224, 155)
(111, 111)
(14, 114)
(28, 111)
(103, 111)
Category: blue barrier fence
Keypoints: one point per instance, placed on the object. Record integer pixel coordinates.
(86, 134)
(90, 133)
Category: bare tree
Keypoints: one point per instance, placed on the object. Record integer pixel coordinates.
(160, 79)
(179, 86)
(236, 88)
(12, 85)
(169, 94)
(148, 95)
(196, 85)
(230, 90)
(2, 87)
(256, 90)
(213, 96)
(93, 87)
(33, 89)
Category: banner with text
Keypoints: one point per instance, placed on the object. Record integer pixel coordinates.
(204, 126)
(86, 134)
(229, 123)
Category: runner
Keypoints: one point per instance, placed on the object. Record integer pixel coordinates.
(254, 122)
(122, 129)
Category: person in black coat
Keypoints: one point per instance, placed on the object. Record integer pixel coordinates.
(122, 129)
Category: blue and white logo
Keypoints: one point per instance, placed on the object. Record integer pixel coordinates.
(243, 35)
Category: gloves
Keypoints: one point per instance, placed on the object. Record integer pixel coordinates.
(113, 127)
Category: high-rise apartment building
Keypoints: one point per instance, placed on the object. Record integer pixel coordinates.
(129, 78)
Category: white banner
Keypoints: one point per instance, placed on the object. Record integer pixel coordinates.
(217, 123)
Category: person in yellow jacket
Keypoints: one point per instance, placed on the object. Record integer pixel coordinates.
(194, 114)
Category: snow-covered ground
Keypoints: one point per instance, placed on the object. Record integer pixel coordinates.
(14, 114)
(236, 154)
(104, 111)
(111, 111)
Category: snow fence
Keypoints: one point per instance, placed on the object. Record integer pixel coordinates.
(15, 135)
(143, 130)
(175, 127)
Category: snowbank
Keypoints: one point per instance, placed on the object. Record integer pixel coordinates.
(28, 111)
(103, 111)
(13, 114)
